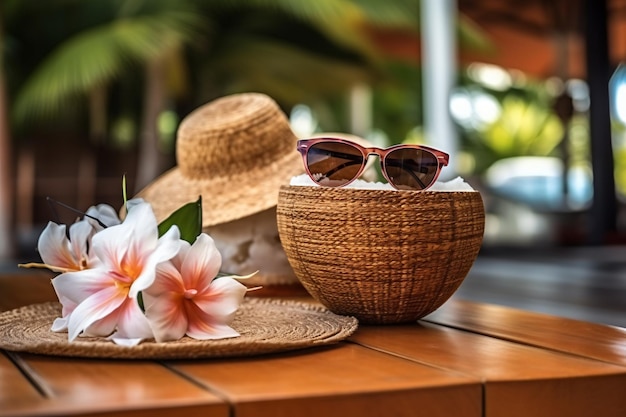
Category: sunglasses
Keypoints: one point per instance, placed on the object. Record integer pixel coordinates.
(335, 162)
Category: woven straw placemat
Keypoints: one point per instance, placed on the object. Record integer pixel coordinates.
(266, 326)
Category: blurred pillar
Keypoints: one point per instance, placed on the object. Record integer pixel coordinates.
(361, 110)
(7, 229)
(439, 75)
(602, 220)
(563, 106)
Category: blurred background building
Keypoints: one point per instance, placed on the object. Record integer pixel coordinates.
(527, 95)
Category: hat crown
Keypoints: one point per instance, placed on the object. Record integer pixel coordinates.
(233, 134)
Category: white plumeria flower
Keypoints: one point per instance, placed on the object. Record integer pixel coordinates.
(102, 216)
(104, 298)
(62, 254)
(187, 299)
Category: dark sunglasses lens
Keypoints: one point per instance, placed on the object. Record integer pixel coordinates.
(411, 169)
(334, 164)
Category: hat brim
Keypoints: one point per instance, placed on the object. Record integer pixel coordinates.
(224, 199)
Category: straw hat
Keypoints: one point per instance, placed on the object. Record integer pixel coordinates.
(235, 152)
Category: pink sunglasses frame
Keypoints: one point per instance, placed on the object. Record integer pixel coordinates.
(304, 145)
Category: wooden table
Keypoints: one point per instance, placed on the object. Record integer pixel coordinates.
(466, 359)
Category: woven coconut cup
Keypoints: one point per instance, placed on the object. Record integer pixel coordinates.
(382, 256)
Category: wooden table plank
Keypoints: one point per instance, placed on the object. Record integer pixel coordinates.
(591, 340)
(574, 397)
(539, 382)
(342, 380)
(30, 287)
(467, 359)
(98, 387)
(14, 388)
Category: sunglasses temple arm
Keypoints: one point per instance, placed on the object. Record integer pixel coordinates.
(340, 167)
(351, 160)
(408, 171)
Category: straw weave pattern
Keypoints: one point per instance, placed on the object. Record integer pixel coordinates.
(266, 326)
(232, 135)
(382, 256)
(235, 152)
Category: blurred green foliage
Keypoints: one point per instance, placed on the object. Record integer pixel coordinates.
(63, 57)
(619, 152)
(59, 52)
(526, 126)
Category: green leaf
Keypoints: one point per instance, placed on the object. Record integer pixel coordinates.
(124, 195)
(188, 218)
(140, 301)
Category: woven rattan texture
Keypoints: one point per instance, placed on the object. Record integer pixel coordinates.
(381, 256)
(266, 326)
(235, 152)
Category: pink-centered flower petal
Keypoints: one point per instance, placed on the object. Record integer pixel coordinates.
(168, 247)
(188, 300)
(59, 324)
(177, 261)
(123, 341)
(80, 238)
(167, 316)
(55, 249)
(127, 319)
(109, 246)
(203, 326)
(130, 242)
(60, 253)
(103, 327)
(130, 251)
(105, 214)
(132, 325)
(169, 280)
(163, 303)
(144, 225)
(68, 303)
(75, 287)
(201, 264)
(94, 308)
(222, 299)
